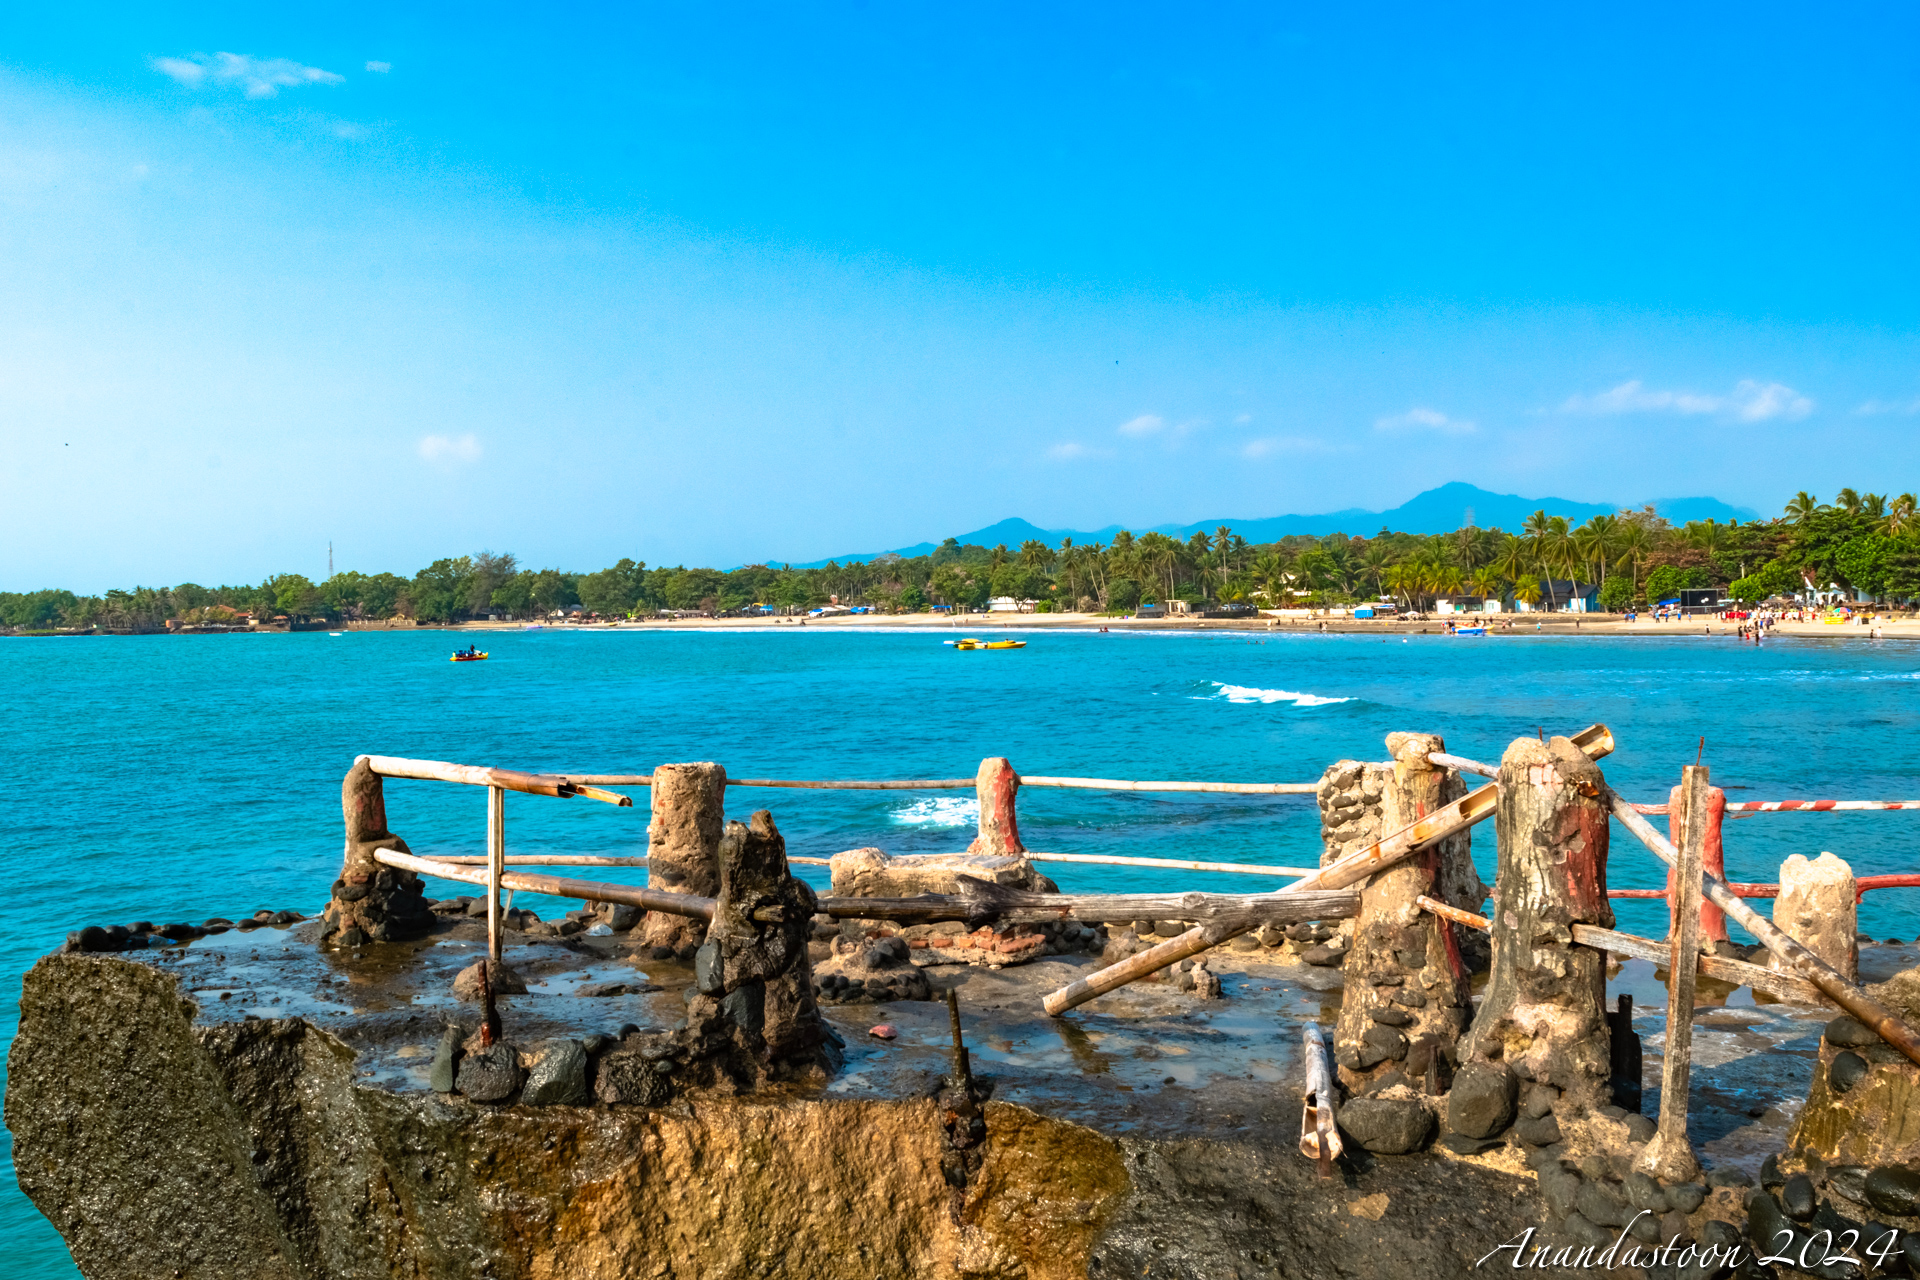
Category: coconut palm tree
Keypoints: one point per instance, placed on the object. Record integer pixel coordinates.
(1633, 545)
(1874, 506)
(1803, 506)
(1900, 515)
(998, 557)
(1035, 554)
(1848, 501)
(1486, 583)
(1595, 542)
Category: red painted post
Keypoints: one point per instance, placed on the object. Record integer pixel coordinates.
(1713, 921)
(997, 785)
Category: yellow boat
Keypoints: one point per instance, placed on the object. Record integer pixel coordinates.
(988, 644)
(468, 657)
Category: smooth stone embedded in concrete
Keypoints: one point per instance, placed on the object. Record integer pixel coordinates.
(1481, 1101)
(1817, 908)
(446, 1058)
(1894, 1190)
(1387, 1126)
(558, 1077)
(490, 1074)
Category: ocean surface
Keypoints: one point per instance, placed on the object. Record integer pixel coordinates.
(177, 778)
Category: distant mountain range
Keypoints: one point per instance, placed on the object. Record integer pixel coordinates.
(1440, 510)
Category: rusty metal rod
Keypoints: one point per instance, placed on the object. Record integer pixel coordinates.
(679, 904)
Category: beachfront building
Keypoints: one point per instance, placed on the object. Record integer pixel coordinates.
(1562, 595)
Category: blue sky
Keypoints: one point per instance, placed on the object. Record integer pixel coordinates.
(716, 283)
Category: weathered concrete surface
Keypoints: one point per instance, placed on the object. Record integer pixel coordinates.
(683, 845)
(1817, 909)
(371, 902)
(870, 873)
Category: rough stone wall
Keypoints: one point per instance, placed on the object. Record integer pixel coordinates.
(683, 846)
(1406, 997)
(370, 902)
(753, 1017)
(1351, 818)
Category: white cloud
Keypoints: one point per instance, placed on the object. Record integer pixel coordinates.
(1904, 408)
(450, 448)
(1242, 418)
(1144, 425)
(260, 77)
(1750, 401)
(1268, 446)
(1424, 419)
(1072, 450)
(380, 68)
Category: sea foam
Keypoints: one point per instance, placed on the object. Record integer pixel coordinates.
(939, 811)
(1244, 694)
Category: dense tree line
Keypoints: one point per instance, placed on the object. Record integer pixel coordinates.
(1861, 542)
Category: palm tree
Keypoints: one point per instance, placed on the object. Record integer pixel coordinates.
(1634, 545)
(1527, 591)
(1848, 501)
(1486, 583)
(1803, 507)
(1270, 575)
(1035, 554)
(1595, 542)
(1900, 515)
(1874, 506)
(1374, 561)
(997, 558)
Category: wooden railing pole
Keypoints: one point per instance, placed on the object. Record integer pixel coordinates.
(496, 865)
(1669, 1156)
(1713, 860)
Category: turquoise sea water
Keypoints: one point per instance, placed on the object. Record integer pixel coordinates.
(171, 778)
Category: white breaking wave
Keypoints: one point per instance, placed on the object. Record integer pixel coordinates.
(1243, 694)
(939, 811)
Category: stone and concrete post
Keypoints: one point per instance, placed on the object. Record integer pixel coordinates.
(998, 786)
(1542, 1018)
(683, 846)
(1407, 988)
(1713, 858)
(1817, 908)
(371, 902)
(753, 1017)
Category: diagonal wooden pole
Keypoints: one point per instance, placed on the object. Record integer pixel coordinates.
(496, 865)
(1669, 1156)
(1476, 806)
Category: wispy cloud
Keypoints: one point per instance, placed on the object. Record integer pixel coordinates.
(450, 449)
(1269, 446)
(260, 77)
(1904, 408)
(1421, 418)
(1145, 425)
(380, 68)
(1750, 401)
(1242, 419)
(1073, 451)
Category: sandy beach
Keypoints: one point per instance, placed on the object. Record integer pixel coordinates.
(975, 623)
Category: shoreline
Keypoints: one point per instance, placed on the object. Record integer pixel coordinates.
(1560, 626)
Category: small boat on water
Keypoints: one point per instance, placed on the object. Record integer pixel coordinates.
(986, 644)
(469, 655)
(336, 633)
(1469, 631)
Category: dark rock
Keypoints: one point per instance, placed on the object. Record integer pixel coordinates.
(1645, 1227)
(1846, 1071)
(706, 970)
(661, 953)
(1381, 1044)
(286, 917)
(489, 1075)
(1770, 1175)
(1387, 1080)
(1613, 1113)
(1729, 1178)
(746, 1006)
(1641, 1128)
(1687, 1197)
(559, 1076)
(1461, 1145)
(1765, 1222)
(600, 990)
(504, 981)
(627, 1029)
(1674, 1227)
(1579, 1230)
(1894, 1190)
(619, 916)
(1387, 1126)
(179, 932)
(1721, 1235)
(626, 1079)
(1601, 1204)
(1849, 1033)
(1644, 1193)
(1849, 1180)
(216, 920)
(351, 892)
(595, 1043)
(1322, 957)
(1537, 1131)
(686, 954)
(1411, 999)
(1559, 1187)
(1388, 1016)
(93, 938)
(1909, 1251)
(1540, 1100)
(1796, 1198)
(1480, 1103)
(1541, 1157)
(446, 1059)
